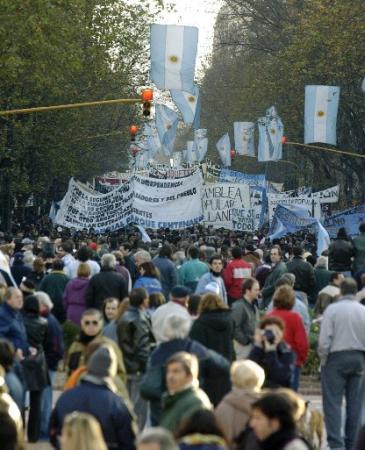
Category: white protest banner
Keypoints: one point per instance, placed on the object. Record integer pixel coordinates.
(243, 219)
(313, 205)
(329, 195)
(144, 201)
(220, 198)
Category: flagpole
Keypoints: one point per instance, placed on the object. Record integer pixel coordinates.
(326, 149)
(118, 101)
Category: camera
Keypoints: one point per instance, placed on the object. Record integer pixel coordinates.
(269, 336)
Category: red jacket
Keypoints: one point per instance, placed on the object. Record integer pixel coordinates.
(234, 275)
(294, 334)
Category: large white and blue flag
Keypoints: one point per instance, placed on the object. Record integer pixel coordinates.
(190, 152)
(244, 138)
(166, 124)
(224, 150)
(189, 105)
(271, 131)
(201, 147)
(173, 56)
(320, 114)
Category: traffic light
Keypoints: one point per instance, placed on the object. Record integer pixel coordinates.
(133, 129)
(147, 97)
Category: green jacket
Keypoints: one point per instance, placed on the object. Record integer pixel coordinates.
(192, 270)
(54, 285)
(176, 407)
(359, 260)
(269, 287)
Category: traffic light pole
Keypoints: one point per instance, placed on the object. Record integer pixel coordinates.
(119, 101)
(325, 149)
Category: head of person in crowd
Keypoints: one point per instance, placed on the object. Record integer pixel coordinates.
(91, 325)
(271, 414)
(336, 278)
(216, 265)
(141, 256)
(45, 302)
(202, 422)
(193, 252)
(108, 261)
(348, 287)
(125, 248)
(14, 298)
(342, 234)
(156, 299)
(284, 297)
(84, 253)
(3, 289)
(299, 405)
(211, 302)
(276, 254)
(176, 327)
(57, 265)
(148, 269)
(248, 375)
(237, 252)
(288, 279)
(271, 330)
(193, 304)
(119, 257)
(65, 248)
(311, 259)
(11, 424)
(27, 287)
(138, 298)
(110, 308)
(322, 262)
(165, 251)
(182, 370)
(103, 363)
(156, 438)
(298, 251)
(180, 294)
(250, 289)
(32, 306)
(7, 354)
(81, 431)
(260, 254)
(362, 227)
(83, 270)
(28, 258)
(38, 265)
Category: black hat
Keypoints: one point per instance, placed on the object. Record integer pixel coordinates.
(180, 291)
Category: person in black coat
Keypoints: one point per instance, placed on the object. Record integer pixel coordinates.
(107, 283)
(340, 253)
(214, 329)
(305, 279)
(34, 365)
(273, 354)
(19, 270)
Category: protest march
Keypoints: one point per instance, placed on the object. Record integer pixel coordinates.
(182, 225)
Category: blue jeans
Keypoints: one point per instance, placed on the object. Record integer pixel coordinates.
(343, 375)
(296, 378)
(46, 406)
(16, 389)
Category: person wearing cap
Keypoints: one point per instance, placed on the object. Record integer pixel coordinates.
(178, 305)
(96, 395)
(213, 276)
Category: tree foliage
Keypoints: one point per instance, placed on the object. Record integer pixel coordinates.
(68, 51)
(265, 52)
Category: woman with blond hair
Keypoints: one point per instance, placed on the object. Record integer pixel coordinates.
(82, 431)
(214, 329)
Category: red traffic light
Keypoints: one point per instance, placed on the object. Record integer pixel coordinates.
(283, 140)
(147, 95)
(233, 153)
(133, 129)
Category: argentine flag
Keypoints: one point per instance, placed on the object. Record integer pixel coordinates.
(166, 124)
(190, 152)
(320, 114)
(244, 138)
(173, 56)
(189, 105)
(271, 131)
(152, 138)
(201, 147)
(224, 150)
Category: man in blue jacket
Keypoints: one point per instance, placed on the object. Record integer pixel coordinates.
(96, 395)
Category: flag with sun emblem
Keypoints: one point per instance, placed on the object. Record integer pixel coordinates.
(166, 124)
(320, 114)
(271, 131)
(224, 150)
(173, 56)
(201, 143)
(244, 138)
(188, 104)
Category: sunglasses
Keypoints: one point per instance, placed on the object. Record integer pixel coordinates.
(91, 322)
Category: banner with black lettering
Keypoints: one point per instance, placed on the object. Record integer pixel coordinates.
(219, 199)
(152, 203)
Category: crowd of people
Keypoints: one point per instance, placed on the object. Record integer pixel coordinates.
(195, 339)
